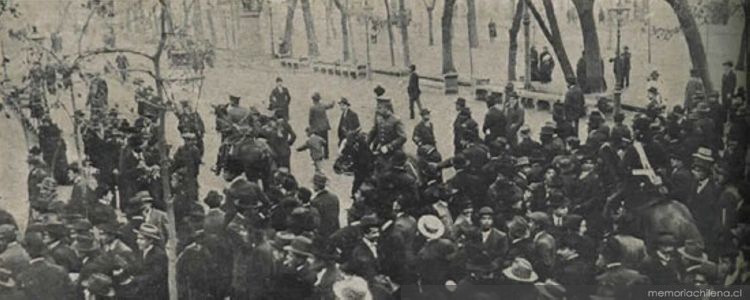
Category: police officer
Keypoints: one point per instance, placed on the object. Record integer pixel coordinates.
(424, 132)
(190, 121)
(388, 133)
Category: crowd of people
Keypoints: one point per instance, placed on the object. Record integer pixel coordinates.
(656, 199)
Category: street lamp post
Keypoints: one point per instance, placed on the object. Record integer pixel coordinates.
(619, 13)
(526, 46)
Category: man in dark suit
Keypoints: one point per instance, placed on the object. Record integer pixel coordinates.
(44, 280)
(545, 246)
(59, 251)
(493, 241)
(241, 192)
(318, 119)
(574, 104)
(681, 182)
(572, 271)
(424, 133)
(617, 279)
(349, 120)
(280, 99)
(728, 85)
(365, 257)
(413, 90)
(327, 205)
(662, 265)
(495, 123)
(703, 203)
(151, 274)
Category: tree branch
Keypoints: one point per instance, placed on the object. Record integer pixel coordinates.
(539, 19)
(85, 27)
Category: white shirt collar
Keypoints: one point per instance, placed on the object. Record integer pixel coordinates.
(238, 178)
(372, 246)
(613, 265)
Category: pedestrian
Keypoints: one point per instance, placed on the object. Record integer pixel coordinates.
(515, 116)
(316, 145)
(626, 66)
(546, 65)
(8, 288)
(574, 104)
(318, 120)
(349, 121)
(581, 73)
(43, 279)
(728, 85)
(327, 204)
(693, 88)
(122, 66)
(424, 133)
(495, 122)
(280, 99)
(13, 256)
(280, 137)
(413, 91)
(151, 274)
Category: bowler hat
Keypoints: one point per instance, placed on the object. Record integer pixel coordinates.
(486, 211)
(300, 245)
(539, 218)
(149, 231)
(547, 130)
(379, 90)
(520, 271)
(344, 101)
(323, 249)
(556, 200)
(424, 112)
(522, 161)
(693, 250)
(316, 96)
(109, 228)
(431, 227)
(234, 98)
(213, 199)
(85, 243)
(666, 239)
(99, 284)
(369, 221)
(461, 102)
(481, 263)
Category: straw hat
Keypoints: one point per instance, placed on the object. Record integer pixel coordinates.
(431, 227)
(520, 271)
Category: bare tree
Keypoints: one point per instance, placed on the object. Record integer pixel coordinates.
(312, 41)
(513, 41)
(345, 46)
(286, 45)
(471, 19)
(430, 6)
(447, 30)
(742, 59)
(693, 39)
(552, 34)
(404, 26)
(592, 53)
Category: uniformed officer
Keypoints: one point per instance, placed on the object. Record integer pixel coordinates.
(189, 121)
(424, 133)
(388, 133)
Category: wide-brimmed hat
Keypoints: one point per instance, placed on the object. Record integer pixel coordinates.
(149, 231)
(6, 278)
(549, 289)
(705, 154)
(353, 287)
(693, 250)
(520, 271)
(99, 284)
(431, 227)
(369, 221)
(728, 63)
(85, 243)
(522, 161)
(141, 197)
(300, 245)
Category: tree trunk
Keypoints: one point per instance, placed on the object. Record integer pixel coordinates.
(198, 19)
(553, 35)
(404, 25)
(211, 26)
(286, 45)
(447, 30)
(471, 19)
(345, 54)
(693, 39)
(513, 41)
(312, 41)
(594, 68)
(390, 31)
(742, 59)
(429, 26)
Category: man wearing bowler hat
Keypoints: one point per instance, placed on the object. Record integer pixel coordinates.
(349, 121)
(327, 204)
(413, 90)
(662, 265)
(728, 85)
(280, 99)
(318, 120)
(151, 269)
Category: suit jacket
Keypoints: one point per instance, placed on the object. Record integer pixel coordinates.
(413, 88)
(65, 257)
(621, 279)
(659, 273)
(495, 124)
(577, 276)
(705, 209)
(348, 122)
(681, 184)
(728, 84)
(496, 245)
(692, 87)
(423, 134)
(364, 261)
(15, 258)
(279, 100)
(545, 251)
(574, 103)
(43, 280)
(151, 274)
(214, 221)
(318, 117)
(328, 205)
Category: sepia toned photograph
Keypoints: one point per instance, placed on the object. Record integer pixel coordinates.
(374, 149)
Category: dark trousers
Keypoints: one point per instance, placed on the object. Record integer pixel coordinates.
(413, 101)
(626, 79)
(324, 135)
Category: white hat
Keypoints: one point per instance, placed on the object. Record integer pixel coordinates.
(431, 227)
(352, 288)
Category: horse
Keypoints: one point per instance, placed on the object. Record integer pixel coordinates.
(243, 145)
(369, 169)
